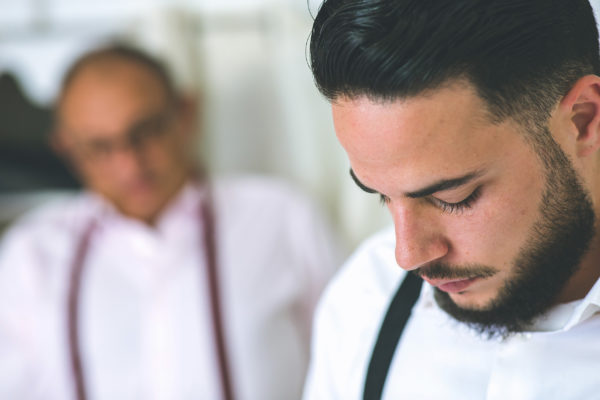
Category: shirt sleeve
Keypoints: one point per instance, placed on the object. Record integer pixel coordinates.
(347, 320)
(32, 328)
(319, 254)
(320, 382)
(20, 303)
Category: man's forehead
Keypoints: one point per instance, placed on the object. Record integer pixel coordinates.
(117, 72)
(113, 70)
(110, 88)
(418, 140)
(438, 117)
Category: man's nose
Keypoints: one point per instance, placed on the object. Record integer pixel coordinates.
(126, 159)
(418, 238)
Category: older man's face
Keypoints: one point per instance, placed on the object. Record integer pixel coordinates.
(470, 202)
(123, 137)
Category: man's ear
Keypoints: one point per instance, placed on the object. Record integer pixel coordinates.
(582, 104)
(188, 113)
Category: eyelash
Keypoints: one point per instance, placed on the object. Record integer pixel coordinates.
(450, 208)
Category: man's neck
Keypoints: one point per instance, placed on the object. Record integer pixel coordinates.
(586, 276)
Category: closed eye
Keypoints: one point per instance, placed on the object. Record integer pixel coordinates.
(428, 192)
(452, 208)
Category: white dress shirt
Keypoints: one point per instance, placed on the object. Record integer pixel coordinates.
(439, 358)
(145, 324)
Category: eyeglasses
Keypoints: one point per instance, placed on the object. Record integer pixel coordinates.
(141, 135)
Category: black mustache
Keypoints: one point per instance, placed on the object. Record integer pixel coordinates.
(445, 271)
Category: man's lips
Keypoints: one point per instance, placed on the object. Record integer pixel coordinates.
(451, 285)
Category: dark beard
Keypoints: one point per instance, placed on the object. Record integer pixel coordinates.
(551, 256)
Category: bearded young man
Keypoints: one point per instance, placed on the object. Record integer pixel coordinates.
(478, 124)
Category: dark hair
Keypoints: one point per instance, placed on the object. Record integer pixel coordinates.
(521, 56)
(127, 53)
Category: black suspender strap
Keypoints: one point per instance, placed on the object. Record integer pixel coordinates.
(389, 335)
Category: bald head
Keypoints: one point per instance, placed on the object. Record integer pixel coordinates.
(98, 85)
(106, 57)
(122, 129)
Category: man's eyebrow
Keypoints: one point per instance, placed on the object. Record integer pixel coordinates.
(444, 184)
(360, 184)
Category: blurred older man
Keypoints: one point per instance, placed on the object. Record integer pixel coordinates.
(153, 283)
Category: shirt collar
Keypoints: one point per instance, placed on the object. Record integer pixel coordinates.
(586, 308)
(184, 204)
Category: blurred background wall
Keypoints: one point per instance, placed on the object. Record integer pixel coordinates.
(245, 60)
